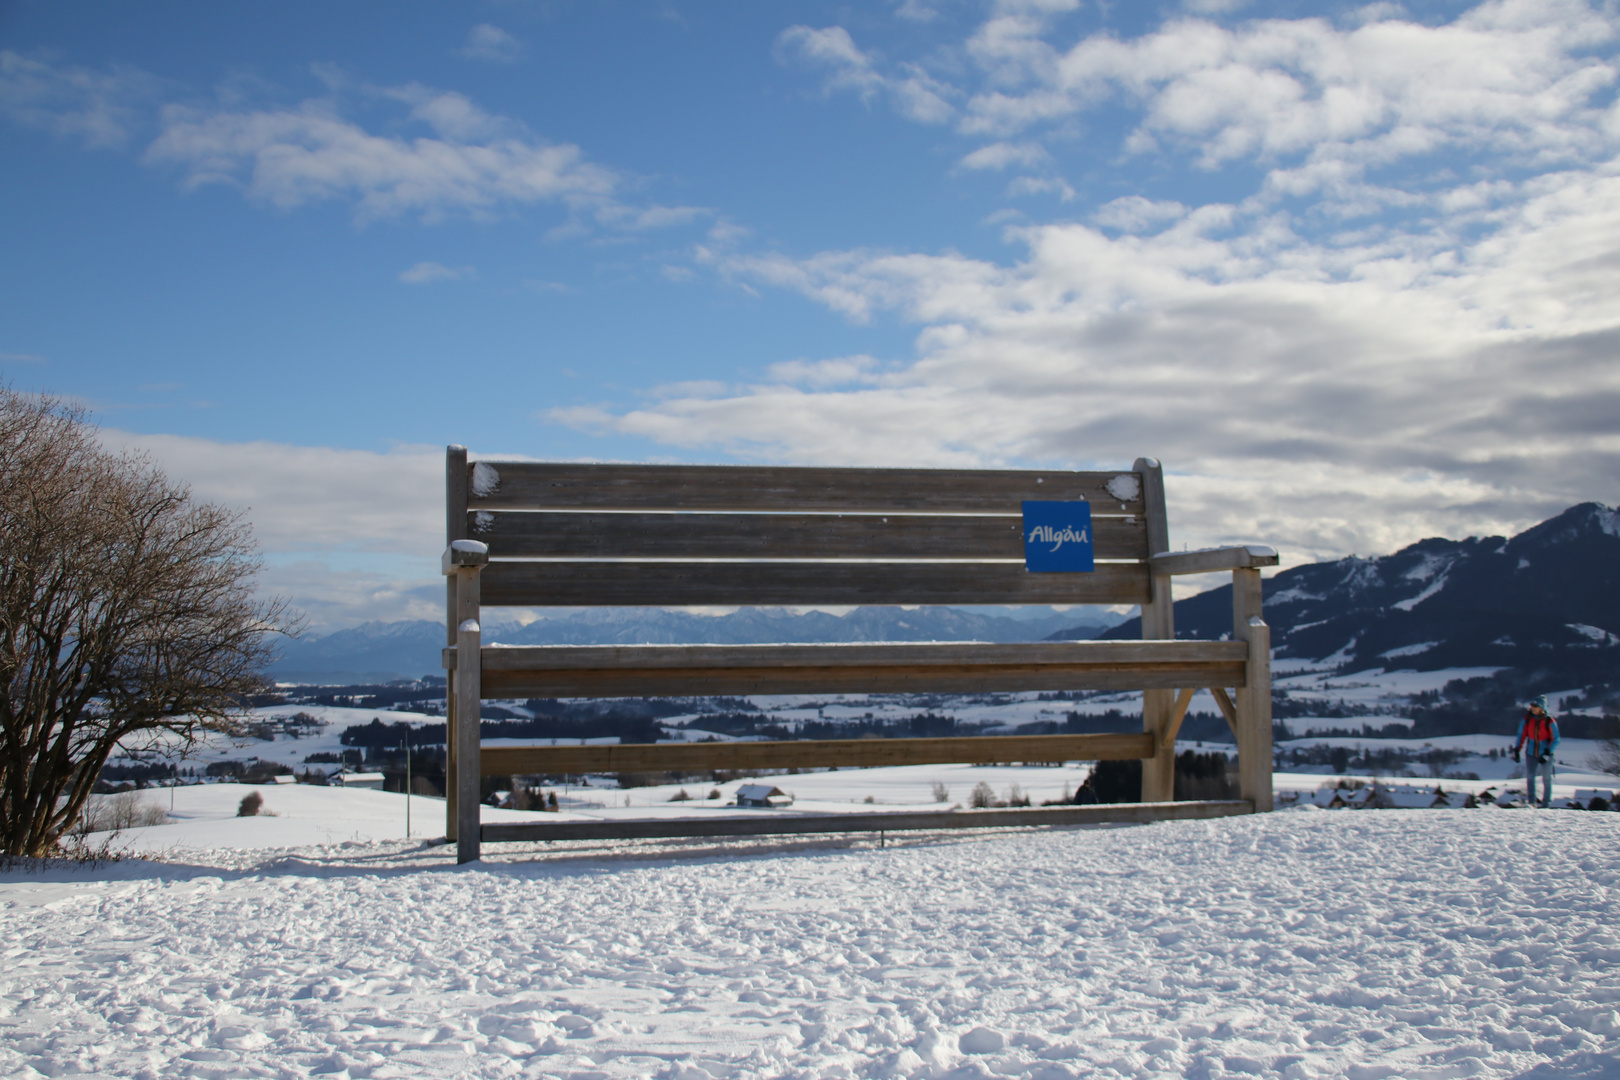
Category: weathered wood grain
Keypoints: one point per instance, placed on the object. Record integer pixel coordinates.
(786, 822)
(676, 584)
(601, 535)
(468, 726)
(551, 485)
(682, 670)
(1105, 654)
(809, 754)
(1209, 560)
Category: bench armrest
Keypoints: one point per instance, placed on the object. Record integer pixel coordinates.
(462, 553)
(1206, 560)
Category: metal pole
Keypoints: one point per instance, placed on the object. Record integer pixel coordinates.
(407, 784)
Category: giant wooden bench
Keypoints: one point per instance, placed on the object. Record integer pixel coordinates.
(537, 534)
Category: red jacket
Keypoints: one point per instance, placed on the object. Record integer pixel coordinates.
(1538, 727)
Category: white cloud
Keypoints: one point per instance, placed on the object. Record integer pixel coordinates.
(294, 157)
(916, 11)
(99, 108)
(1510, 84)
(1040, 185)
(913, 92)
(1329, 399)
(348, 535)
(1133, 213)
(313, 498)
(424, 273)
(487, 42)
(822, 374)
(1000, 155)
(461, 160)
(1513, 78)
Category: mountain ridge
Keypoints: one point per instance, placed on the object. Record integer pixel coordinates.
(379, 652)
(1545, 602)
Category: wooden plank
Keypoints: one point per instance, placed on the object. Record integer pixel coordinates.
(1254, 721)
(882, 680)
(468, 805)
(1177, 715)
(1210, 560)
(455, 494)
(455, 528)
(1158, 612)
(1224, 701)
(598, 535)
(1158, 622)
(809, 754)
(556, 485)
(675, 584)
(1253, 704)
(786, 822)
(1057, 654)
(682, 670)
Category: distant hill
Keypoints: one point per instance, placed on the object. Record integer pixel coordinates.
(378, 652)
(1545, 603)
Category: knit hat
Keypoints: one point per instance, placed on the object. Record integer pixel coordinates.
(1540, 703)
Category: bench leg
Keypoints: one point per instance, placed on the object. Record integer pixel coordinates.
(1159, 771)
(450, 757)
(1253, 704)
(469, 722)
(1254, 721)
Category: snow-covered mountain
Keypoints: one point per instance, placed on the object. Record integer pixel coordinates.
(378, 652)
(1545, 601)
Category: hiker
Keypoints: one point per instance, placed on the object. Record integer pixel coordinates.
(1538, 739)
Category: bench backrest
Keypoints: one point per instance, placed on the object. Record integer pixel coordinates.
(670, 535)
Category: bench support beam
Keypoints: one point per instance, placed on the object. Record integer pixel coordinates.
(469, 722)
(785, 822)
(1158, 623)
(463, 562)
(1253, 704)
(455, 528)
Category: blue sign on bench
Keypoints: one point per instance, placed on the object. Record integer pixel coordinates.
(1057, 537)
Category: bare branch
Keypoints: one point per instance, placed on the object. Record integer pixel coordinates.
(125, 608)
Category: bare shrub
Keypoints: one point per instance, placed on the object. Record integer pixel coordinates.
(124, 810)
(1016, 796)
(680, 796)
(941, 792)
(524, 798)
(252, 805)
(983, 796)
(127, 616)
(1607, 758)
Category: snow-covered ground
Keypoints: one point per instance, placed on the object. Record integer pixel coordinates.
(1371, 698)
(1303, 943)
(204, 817)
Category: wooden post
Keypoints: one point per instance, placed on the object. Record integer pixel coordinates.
(468, 807)
(1253, 704)
(464, 560)
(1158, 622)
(455, 528)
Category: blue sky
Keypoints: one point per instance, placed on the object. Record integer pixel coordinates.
(1349, 270)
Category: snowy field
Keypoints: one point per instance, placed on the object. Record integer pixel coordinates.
(1304, 943)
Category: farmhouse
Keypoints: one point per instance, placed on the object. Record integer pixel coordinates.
(763, 795)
